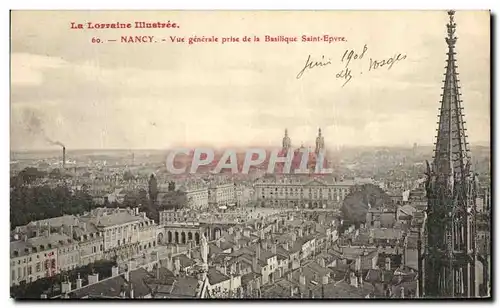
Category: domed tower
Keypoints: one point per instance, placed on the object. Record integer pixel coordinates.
(287, 143)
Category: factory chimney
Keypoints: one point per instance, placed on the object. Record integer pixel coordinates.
(64, 158)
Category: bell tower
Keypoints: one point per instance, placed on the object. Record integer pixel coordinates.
(320, 143)
(287, 143)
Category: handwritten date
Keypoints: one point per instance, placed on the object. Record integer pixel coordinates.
(350, 56)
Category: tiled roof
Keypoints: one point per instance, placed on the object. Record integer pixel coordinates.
(215, 277)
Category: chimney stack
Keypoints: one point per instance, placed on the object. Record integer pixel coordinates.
(387, 264)
(324, 280)
(353, 280)
(93, 278)
(114, 271)
(302, 278)
(66, 287)
(254, 264)
(79, 282)
(64, 157)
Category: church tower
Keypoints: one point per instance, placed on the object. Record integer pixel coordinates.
(320, 143)
(287, 143)
(450, 256)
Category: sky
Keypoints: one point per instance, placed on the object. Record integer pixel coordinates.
(155, 96)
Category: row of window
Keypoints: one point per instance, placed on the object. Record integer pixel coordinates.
(286, 189)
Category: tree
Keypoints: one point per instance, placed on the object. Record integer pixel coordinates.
(128, 176)
(360, 199)
(42, 202)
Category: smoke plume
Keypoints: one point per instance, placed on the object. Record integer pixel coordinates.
(34, 125)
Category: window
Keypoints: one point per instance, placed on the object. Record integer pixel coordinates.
(100, 248)
(38, 267)
(29, 270)
(13, 274)
(118, 242)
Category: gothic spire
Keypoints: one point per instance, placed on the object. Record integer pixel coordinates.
(451, 153)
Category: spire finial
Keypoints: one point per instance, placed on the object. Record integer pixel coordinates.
(451, 39)
(319, 132)
(286, 132)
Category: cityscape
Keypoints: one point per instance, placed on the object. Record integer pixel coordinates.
(388, 222)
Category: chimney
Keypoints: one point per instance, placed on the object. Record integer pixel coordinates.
(311, 294)
(273, 249)
(289, 276)
(402, 292)
(294, 237)
(66, 287)
(131, 290)
(64, 157)
(360, 280)
(93, 278)
(285, 246)
(387, 264)
(353, 280)
(358, 264)
(324, 280)
(257, 251)
(255, 264)
(321, 262)
(114, 271)
(302, 278)
(170, 265)
(291, 291)
(79, 282)
(301, 233)
(177, 266)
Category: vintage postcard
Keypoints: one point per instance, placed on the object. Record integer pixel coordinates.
(250, 155)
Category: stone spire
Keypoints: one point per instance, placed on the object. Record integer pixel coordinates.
(320, 142)
(451, 245)
(287, 143)
(451, 156)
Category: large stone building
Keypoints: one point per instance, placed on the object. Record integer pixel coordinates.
(47, 247)
(196, 194)
(221, 192)
(303, 191)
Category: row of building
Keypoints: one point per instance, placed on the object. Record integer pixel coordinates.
(202, 193)
(286, 255)
(46, 248)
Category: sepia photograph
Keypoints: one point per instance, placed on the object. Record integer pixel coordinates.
(250, 155)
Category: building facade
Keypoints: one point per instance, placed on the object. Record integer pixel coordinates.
(45, 248)
(298, 191)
